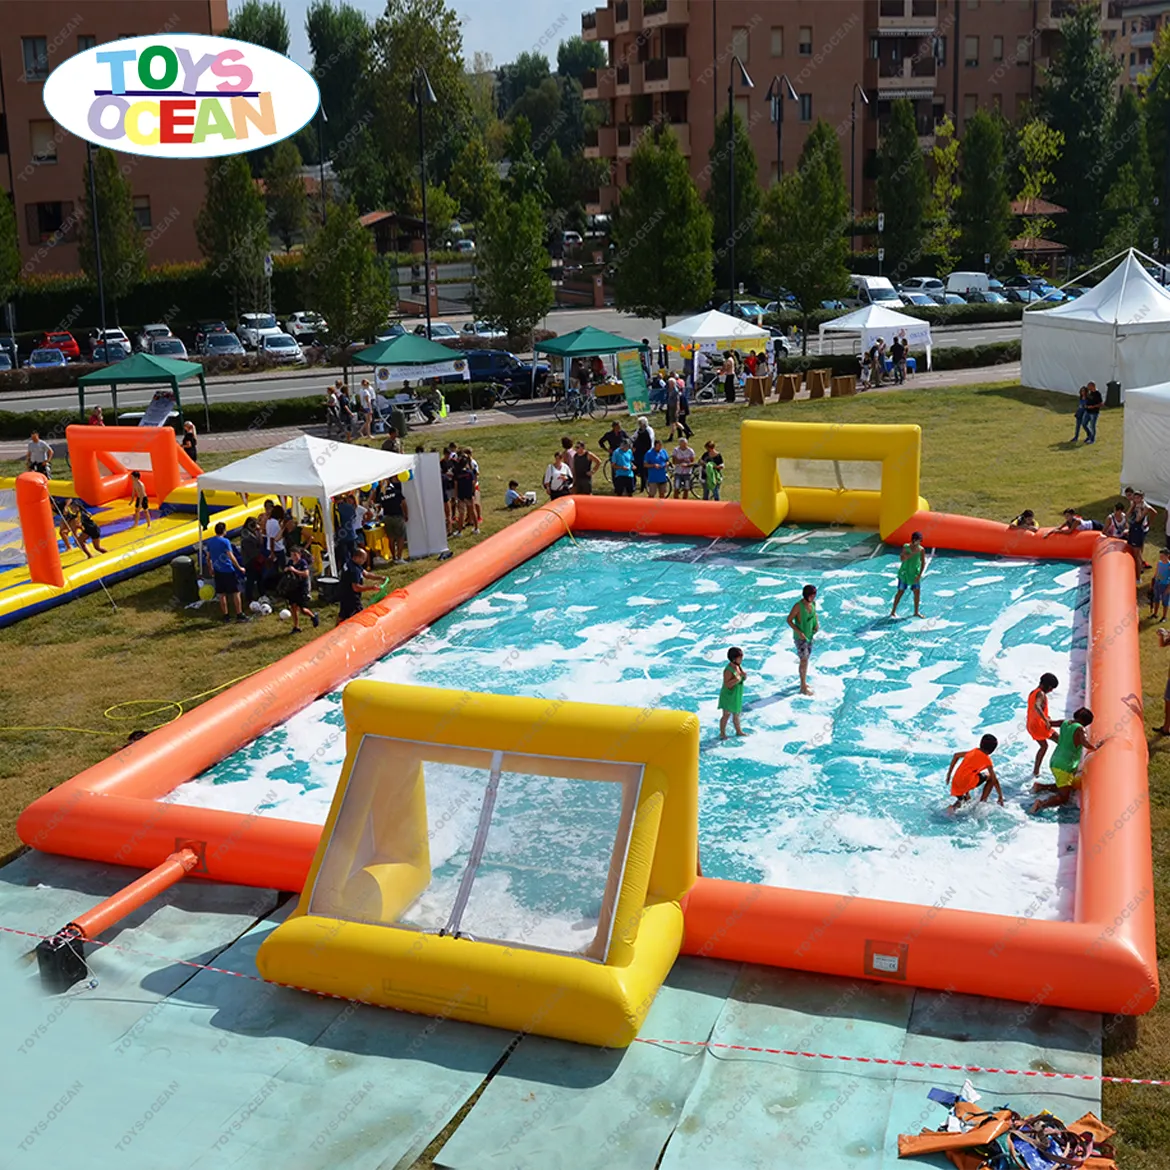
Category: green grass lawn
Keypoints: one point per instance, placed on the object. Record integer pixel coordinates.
(987, 451)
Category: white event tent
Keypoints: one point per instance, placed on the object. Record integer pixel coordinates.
(1118, 331)
(323, 469)
(714, 332)
(874, 321)
(1147, 439)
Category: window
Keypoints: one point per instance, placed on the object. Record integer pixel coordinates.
(84, 43)
(1133, 58)
(970, 105)
(739, 43)
(875, 48)
(3, 133)
(777, 42)
(997, 48)
(142, 211)
(42, 141)
(806, 107)
(36, 58)
(1023, 51)
(972, 3)
(971, 52)
(940, 50)
(804, 48)
(997, 102)
(46, 220)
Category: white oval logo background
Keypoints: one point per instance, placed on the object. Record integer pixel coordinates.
(222, 96)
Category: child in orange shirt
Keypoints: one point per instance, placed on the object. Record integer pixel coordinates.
(970, 769)
(1039, 725)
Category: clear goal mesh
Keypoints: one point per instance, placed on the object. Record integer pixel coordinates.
(835, 474)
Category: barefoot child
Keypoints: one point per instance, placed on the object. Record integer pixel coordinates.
(970, 769)
(1071, 739)
(802, 621)
(138, 499)
(1160, 585)
(295, 588)
(1039, 725)
(910, 573)
(731, 696)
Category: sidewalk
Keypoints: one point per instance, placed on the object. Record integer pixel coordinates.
(252, 440)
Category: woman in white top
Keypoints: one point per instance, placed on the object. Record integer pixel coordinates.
(274, 535)
(558, 479)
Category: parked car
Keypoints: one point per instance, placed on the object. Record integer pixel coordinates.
(280, 347)
(45, 359)
(5, 361)
(8, 346)
(964, 282)
(990, 297)
(221, 345)
(114, 352)
(390, 330)
(498, 365)
(1023, 296)
(465, 247)
(914, 297)
(951, 298)
(208, 326)
(168, 347)
(921, 284)
(1072, 291)
(150, 334)
(256, 326)
(833, 304)
(778, 335)
(440, 331)
(59, 339)
(571, 239)
(873, 290)
(1023, 280)
(994, 285)
(748, 310)
(305, 323)
(110, 336)
(482, 329)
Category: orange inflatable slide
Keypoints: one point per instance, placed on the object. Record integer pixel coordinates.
(1104, 960)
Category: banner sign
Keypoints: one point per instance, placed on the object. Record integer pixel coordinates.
(634, 380)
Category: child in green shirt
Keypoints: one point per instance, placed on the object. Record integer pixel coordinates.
(910, 573)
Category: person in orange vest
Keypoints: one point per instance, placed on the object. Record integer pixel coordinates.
(970, 769)
(1038, 723)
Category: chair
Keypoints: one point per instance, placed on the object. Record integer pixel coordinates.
(788, 385)
(843, 387)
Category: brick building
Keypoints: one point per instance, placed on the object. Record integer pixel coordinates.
(670, 61)
(42, 167)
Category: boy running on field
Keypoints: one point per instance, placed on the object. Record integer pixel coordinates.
(1039, 725)
(970, 769)
(910, 573)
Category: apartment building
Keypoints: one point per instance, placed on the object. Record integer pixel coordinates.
(670, 61)
(1129, 28)
(42, 167)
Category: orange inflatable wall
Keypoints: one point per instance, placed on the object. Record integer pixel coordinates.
(91, 448)
(1103, 961)
(38, 529)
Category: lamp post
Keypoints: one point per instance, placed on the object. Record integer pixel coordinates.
(780, 89)
(746, 82)
(857, 92)
(424, 95)
(97, 246)
(321, 156)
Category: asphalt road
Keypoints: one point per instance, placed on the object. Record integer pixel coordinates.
(301, 383)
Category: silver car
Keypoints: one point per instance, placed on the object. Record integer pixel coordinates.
(279, 347)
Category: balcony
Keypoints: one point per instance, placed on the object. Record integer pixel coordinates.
(909, 16)
(659, 13)
(597, 25)
(627, 82)
(682, 131)
(627, 16)
(910, 74)
(597, 85)
(601, 142)
(1051, 13)
(628, 136)
(1136, 71)
(1142, 40)
(661, 74)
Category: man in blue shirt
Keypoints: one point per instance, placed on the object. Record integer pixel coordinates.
(656, 460)
(223, 567)
(622, 466)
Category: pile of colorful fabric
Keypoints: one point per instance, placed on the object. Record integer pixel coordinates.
(974, 1138)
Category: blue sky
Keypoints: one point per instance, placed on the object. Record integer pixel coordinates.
(503, 28)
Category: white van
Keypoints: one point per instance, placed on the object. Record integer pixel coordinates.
(872, 290)
(963, 282)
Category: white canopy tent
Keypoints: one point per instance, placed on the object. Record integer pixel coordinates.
(714, 332)
(1118, 331)
(324, 469)
(874, 321)
(1147, 439)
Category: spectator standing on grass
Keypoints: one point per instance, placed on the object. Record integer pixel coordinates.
(95, 417)
(558, 479)
(672, 396)
(224, 570)
(656, 478)
(622, 461)
(612, 439)
(346, 413)
(274, 536)
(447, 475)
(583, 465)
(295, 587)
(750, 363)
(392, 442)
(465, 495)
(898, 357)
(38, 455)
(682, 459)
(1082, 393)
(711, 462)
(762, 368)
(190, 441)
(345, 533)
(727, 373)
(645, 356)
(1118, 523)
(684, 413)
(253, 558)
(395, 514)
(366, 406)
(642, 443)
(478, 517)
(1093, 404)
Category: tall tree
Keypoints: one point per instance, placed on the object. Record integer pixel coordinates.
(1155, 89)
(123, 258)
(525, 170)
(944, 157)
(575, 57)
(9, 251)
(1129, 137)
(340, 39)
(803, 246)
(1128, 219)
(1040, 148)
(474, 180)
(344, 280)
(982, 208)
(903, 186)
(663, 233)
(513, 287)
(1077, 101)
(745, 220)
(232, 228)
(513, 81)
(284, 193)
(481, 91)
(261, 22)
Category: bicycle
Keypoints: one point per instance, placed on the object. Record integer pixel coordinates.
(576, 405)
(682, 483)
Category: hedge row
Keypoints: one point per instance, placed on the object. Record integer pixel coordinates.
(950, 358)
(939, 315)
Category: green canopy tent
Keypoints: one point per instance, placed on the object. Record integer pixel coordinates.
(584, 343)
(420, 356)
(144, 369)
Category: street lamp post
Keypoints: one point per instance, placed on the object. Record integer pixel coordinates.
(857, 92)
(424, 95)
(97, 245)
(746, 82)
(321, 156)
(780, 89)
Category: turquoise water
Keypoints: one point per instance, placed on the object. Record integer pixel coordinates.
(842, 792)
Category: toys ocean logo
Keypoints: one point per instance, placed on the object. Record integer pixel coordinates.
(180, 96)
